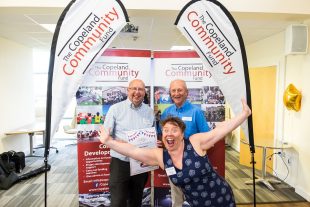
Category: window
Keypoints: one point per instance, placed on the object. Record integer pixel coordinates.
(40, 79)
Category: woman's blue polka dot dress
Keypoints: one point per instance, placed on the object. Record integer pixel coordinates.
(201, 184)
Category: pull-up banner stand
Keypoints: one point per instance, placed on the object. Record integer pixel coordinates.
(214, 34)
(84, 30)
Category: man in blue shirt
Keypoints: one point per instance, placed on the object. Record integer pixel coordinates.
(124, 116)
(192, 116)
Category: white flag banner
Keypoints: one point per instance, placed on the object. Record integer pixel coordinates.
(83, 32)
(214, 34)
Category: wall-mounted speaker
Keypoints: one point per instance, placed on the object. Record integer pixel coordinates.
(296, 39)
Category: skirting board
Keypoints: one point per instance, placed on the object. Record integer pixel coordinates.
(303, 193)
(298, 190)
(289, 181)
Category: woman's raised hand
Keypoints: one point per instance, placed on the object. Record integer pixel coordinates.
(104, 134)
(246, 109)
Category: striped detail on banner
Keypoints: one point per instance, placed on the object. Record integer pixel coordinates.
(127, 53)
(175, 54)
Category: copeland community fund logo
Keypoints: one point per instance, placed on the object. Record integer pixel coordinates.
(107, 72)
(92, 34)
(214, 43)
(190, 72)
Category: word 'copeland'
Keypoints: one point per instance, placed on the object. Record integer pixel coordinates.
(88, 36)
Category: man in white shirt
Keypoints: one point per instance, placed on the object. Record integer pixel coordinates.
(124, 116)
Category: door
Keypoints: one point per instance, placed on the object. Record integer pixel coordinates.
(263, 92)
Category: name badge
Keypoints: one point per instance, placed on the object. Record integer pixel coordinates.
(187, 118)
(170, 171)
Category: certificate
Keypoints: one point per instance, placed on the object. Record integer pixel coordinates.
(143, 138)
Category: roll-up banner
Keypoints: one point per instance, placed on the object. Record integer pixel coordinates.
(203, 92)
(84, 30)
(104, 84)
(214, 34)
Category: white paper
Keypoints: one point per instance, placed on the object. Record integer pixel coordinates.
(143, 138)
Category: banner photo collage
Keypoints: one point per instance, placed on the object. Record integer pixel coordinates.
(105, 84)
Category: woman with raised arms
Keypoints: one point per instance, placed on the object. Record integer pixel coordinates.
(186, 161)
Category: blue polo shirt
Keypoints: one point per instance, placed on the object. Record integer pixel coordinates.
(192, 116)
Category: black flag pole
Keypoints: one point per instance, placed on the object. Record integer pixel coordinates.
(250, 122)
(49, 95)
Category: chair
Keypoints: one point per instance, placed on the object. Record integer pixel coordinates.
(40, 110)
(71, 129)
(43, 145)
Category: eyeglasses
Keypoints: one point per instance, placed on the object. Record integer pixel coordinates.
(137, 89)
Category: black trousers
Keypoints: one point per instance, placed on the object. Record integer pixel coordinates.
(124, 187)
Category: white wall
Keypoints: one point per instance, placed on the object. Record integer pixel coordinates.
(16, 91)
(290, 126)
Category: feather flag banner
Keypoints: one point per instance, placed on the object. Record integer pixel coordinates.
(84, 30)
(214, 34)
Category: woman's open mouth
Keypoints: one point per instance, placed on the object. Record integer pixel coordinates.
(170, 142)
